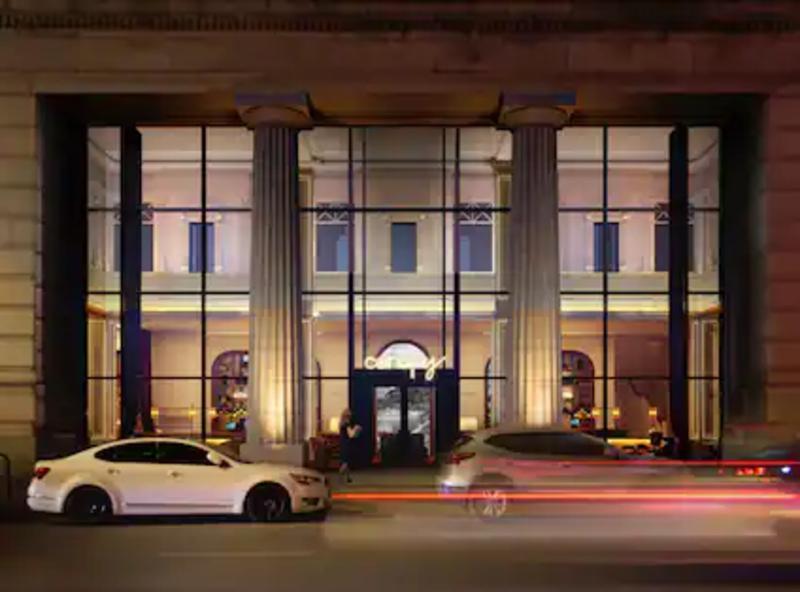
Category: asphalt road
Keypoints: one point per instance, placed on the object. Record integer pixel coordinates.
(390, 546)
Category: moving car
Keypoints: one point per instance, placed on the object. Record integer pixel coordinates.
(147, 476)
(492, 467)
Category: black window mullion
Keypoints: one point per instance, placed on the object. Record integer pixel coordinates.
(131, 363)
(605, 283)
(203, 279)
(351, 257)
(678, 287)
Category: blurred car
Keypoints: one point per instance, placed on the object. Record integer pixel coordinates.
(493, 466)
(148, 476)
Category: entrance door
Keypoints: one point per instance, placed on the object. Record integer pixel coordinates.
(405, 420)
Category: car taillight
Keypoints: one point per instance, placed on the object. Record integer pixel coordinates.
(457, 457)
(40, 472)
(751, 472)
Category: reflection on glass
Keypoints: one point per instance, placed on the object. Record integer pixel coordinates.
(103, 251)
(704, 167)
(704, 252)
(387, 417)
(103, 167)
(103, 404)
(420, 426)
(704, 404)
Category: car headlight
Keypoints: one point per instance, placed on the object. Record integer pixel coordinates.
(305, 479)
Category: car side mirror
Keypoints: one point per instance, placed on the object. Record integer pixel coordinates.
(218, 461)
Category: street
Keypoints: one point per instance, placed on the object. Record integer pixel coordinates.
(414, 546)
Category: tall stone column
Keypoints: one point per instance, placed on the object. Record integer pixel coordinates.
(533, 357)
(276, 415)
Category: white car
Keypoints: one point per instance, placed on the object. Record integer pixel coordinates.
(147, 476)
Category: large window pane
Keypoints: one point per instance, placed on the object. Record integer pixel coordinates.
(638, 166)
(167, 266)
(704, 335)
(103, 167)
(640, 249)
(229, 167)
(576, 246)
(176, 406)
(704, 252)
(171, 166)
(172, 336)
(580, 167)
(103, 249)
(638, 329)
(704, 167)
(102, 336)
(325, 335)
(638, 406)
(103, 405)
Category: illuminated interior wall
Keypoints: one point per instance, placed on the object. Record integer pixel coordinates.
(403, 170)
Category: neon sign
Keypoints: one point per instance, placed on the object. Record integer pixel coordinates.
(396, 363)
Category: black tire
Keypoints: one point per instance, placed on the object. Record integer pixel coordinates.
(88, 505)
(267, 502)
(488, 497)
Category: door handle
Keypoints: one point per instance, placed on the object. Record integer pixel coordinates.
(173, 473)
(113, 471)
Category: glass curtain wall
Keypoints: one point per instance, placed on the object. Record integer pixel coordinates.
(614, 243)
(402, 241)
(196, 192)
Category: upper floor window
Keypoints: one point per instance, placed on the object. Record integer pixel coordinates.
(475, 245)
(332, 243)
(196, 247)
(661, 239)
(404, 247)
(609, 239)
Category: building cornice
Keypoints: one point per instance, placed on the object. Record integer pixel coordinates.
(492, 18)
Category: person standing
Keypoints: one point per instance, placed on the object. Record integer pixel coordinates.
(348, 431)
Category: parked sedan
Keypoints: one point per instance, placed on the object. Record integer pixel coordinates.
(146, 476)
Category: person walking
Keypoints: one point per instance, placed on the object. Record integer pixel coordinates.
(348, 431)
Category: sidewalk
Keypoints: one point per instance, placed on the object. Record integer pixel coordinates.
(380, 479)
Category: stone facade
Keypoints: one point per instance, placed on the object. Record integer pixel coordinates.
(781, 211)
(19, 231)
(224, 48)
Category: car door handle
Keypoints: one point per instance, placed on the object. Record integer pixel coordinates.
(173, 473)
(113, 471)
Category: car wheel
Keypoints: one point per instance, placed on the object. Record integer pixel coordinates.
(267, 503)
(88, 505)
(489, 500)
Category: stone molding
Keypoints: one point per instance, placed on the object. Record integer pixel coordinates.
(276, 110)
(393, 17)
(524, 116)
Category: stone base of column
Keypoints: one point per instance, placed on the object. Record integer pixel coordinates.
(287, 454)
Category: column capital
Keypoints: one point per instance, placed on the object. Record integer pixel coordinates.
(513, 116)
(276, 110)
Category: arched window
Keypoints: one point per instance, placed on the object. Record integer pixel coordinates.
(402, 354)
(229, 373)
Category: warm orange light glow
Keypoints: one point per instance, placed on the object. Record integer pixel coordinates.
(575, 495)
